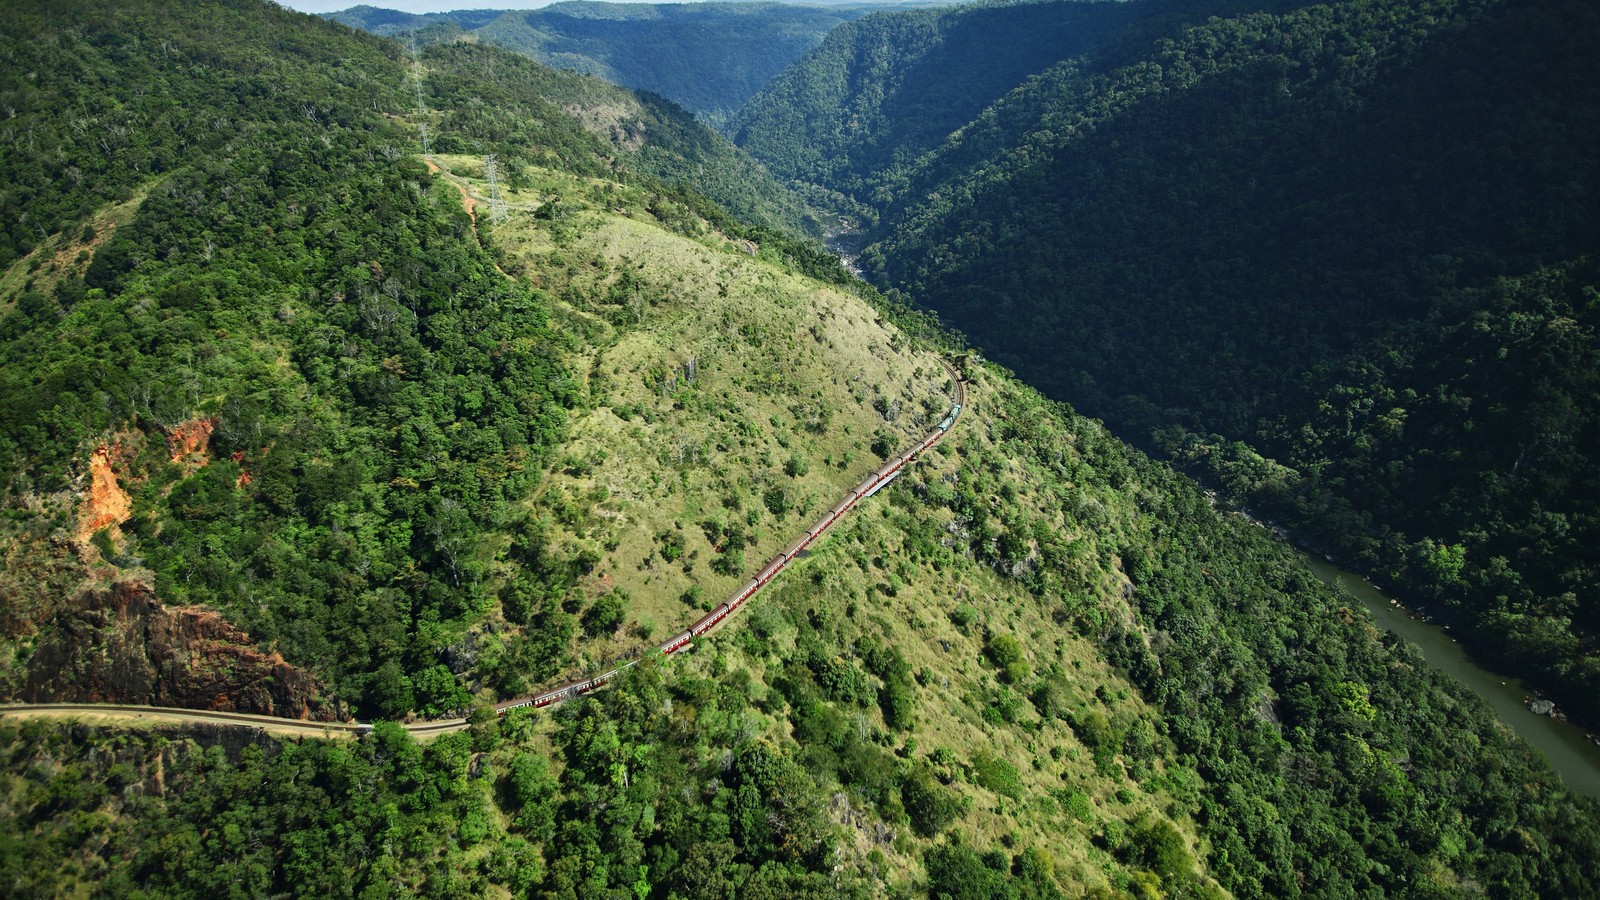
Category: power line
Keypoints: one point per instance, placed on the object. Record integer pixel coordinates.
(416, 85)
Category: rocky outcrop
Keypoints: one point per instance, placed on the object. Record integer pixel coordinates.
(122, 645)
(105, 501)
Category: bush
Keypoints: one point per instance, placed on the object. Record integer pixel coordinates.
(1161, 848)
(1003, 650)
(605, 615)
(999, 776)
(729, 563)
(960, 874)
(672, 544)
(1076, 803)
(776, 500)
(931, 806)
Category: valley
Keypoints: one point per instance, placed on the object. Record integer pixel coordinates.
(1292, 268)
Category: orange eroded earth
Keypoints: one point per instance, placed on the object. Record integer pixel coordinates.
(106, 504)
(190, 440)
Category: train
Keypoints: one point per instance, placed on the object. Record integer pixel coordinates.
(749, 589)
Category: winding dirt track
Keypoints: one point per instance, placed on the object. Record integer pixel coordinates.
(113, 713)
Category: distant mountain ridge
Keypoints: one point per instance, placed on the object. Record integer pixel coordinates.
(708, 57)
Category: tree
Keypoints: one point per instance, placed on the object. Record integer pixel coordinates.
(605, 615)
(931, 806)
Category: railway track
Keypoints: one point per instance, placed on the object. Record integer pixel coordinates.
(711, 620)
(571, 690)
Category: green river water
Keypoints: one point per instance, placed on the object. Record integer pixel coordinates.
(1570, 752)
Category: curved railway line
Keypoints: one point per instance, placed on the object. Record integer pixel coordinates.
(868, 486)
(571, 690)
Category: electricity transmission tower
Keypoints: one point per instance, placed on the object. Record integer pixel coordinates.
(497, 204)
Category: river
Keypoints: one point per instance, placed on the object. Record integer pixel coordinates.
(1570, 752)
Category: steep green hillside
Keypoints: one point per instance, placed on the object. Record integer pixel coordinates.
(708, 57)
(1356, 237)
(257, 355)
(437, 456)
(393, 22)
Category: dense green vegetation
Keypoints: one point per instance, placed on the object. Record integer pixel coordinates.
(1317, 758)
(451, 460)
(494, 98)
(295, 277)
(881, 92)
(708, 57)
(645, 801)
(1332, 758)
(1337, 255)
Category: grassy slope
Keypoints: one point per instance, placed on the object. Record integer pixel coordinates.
(1030, 523)
(65, 255)
(773, 350)
(471, 85)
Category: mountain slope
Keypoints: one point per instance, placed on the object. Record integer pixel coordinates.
(880, 92)
(1280, 227)
(494, 95)
(254, 300)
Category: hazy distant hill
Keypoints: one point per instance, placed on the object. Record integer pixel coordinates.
(709, 57)
(883, 90)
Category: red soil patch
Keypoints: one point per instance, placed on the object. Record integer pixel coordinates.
(189, 441)
(105, 504)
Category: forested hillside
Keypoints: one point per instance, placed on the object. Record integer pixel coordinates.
(881, 92)
(279, 288)
(708, 57)
(1337, 256)
(497, 96)
(429, 440)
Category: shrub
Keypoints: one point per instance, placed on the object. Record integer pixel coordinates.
(999, 776)
(605, 615)
(930, 805)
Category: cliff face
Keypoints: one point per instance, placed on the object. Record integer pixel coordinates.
(122, 645)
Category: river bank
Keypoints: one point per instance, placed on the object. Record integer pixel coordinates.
(1572, 753)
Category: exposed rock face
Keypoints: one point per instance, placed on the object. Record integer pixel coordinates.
(106, 503)
(123, 645)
